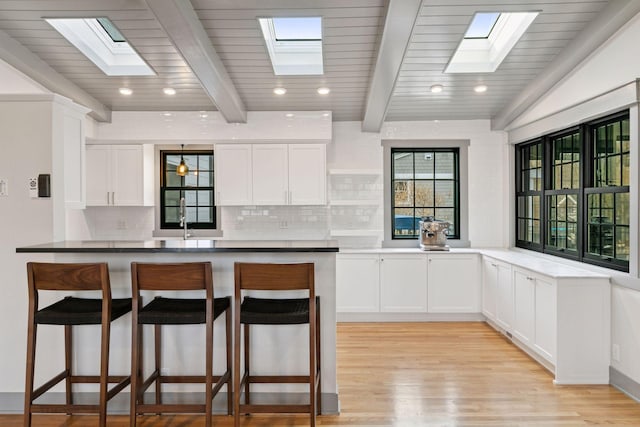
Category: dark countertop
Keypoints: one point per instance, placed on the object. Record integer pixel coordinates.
(191, 245)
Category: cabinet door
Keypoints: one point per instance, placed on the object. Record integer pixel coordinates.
(504, 296)
(307, 174)
(127, 175)
(403, 283)
(233, 181)
(524, 306)
(454, 283)
(357, 283)
(489, 285)
(98, 159)
(270, 174)
(545, 318)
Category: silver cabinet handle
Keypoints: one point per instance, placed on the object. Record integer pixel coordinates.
(494, 265)
(108, 197)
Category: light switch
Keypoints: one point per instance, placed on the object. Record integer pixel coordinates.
(4, 187)
(33, 188)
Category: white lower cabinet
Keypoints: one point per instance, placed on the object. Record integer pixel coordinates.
(403, 283)
(357, 283)
(535, 312)
(524, 306)
(497, 292)
(454, 283)
(545, 318)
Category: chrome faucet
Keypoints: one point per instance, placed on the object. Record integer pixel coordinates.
(183, 219)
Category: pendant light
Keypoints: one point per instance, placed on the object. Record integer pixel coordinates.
(182, 168)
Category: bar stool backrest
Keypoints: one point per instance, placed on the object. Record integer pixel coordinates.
(171, 277)
(68, 277)
(274, 277)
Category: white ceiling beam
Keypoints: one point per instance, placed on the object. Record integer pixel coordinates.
(30, 64)
(183, 27)
(611, 19)
(398, 26)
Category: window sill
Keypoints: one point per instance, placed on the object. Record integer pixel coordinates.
(194, 234)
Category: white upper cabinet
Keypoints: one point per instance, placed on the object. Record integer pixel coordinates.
(233, 171)
(307, 174)
(119, 175)
(270, 174)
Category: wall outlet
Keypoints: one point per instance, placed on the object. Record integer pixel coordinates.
(615, 352)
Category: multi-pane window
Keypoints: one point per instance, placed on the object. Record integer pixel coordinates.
(607, 232)
(529, 193)
(425, 182)
(562, 197)
(572, 193)
(196, 187)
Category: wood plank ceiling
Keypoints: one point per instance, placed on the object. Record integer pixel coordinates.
(352, 33)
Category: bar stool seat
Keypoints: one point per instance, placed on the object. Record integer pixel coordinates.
(180, 311)
(162, 310)
(81, 311)
(72, 311)
(251, 310)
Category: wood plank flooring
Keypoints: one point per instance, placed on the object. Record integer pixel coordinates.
(426, 374)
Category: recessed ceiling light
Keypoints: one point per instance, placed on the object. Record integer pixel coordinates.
(323, 90)
(325, 114)
(169, 91)
(279, 91)
(289, 115)
(480, 88)
(125, 91)
(203, 114)
(166, 114)
(436, 88)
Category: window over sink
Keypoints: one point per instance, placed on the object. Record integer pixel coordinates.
(196, 187)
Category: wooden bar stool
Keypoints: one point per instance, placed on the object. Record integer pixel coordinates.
(72, 311)
(267, 311)
(176, 311)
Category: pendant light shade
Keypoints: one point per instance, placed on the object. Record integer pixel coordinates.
(182, 168)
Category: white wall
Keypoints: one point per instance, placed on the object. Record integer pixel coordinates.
(25, 144)
(603, 83)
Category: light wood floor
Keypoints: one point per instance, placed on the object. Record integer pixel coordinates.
(427, 374)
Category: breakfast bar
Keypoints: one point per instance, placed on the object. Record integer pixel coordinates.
(278, 348)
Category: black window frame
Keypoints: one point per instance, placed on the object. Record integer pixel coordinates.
(456, 188)
(166, 225)
(586, 187)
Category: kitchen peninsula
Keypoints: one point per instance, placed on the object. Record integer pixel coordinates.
(278, 347)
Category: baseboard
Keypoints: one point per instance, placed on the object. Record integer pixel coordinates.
(13, 403)
(409, 317)
(625, 384)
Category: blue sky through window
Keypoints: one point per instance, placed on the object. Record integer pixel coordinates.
(481, 25)
(298, 28)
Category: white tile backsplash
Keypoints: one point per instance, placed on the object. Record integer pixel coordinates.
(120, 222)
(275, 222)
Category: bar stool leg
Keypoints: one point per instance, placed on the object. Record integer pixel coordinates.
(158, 362)
(104, 371)
(135, 371)
(236, 366)
(318, 357)
(247, 360)
(228, 321)
(312, 372)
(31, 358)
(209, 372)
(68, 352)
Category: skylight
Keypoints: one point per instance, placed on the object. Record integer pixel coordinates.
(488, 40)
(481, 26)
(294, 44)
(100, 41)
